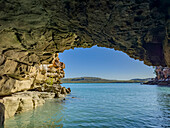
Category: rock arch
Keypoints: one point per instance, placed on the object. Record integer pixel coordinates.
(32, 30)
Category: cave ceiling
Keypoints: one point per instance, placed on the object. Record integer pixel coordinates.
(32, 30)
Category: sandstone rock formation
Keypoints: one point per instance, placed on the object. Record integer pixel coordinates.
(23, 93)
(24, 101)
(44, 77)
(48, 77)
(162, 76)
(32, 30)
(162, 72)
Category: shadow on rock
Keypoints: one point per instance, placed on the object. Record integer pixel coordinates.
(2, 115)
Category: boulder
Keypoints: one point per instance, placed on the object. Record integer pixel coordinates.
(59, 95)
(69, 89)
(6, 86)
(63, 90)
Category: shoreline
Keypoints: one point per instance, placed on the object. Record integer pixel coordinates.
(23, 93)
(142, 83)
(21, 102)
(101, 80)
(158, 82)
(90, 100)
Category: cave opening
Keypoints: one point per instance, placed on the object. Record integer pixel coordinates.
(104, 63)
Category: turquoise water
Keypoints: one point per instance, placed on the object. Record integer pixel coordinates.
(108, 105)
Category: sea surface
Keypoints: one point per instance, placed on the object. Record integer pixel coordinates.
(98, 105)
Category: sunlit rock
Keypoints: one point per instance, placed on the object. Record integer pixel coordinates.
(23, 93)
(11, 105)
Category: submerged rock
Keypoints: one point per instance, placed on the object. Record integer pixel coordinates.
(24, 101)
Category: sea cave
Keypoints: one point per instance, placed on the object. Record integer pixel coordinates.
(32, 32)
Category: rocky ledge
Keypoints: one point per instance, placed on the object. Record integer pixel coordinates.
(159, 82)
(162, 76)
(24, 101)
(23, 93)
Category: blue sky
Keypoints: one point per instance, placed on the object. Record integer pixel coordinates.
(103, 62)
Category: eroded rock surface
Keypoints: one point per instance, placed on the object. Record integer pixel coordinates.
(43, 77)
(24, 101)
(37, 28)
(32, 30)
(20, 93)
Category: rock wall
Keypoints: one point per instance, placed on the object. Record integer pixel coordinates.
(162, 73)
(162, 77)
(41, 76)
(31, 31)
(20, 93)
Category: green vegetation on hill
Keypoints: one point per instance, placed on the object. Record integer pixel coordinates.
(99, 80)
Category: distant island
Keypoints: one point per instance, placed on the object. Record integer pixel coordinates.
(100, 80)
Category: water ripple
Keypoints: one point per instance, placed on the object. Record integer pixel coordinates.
(102, 106)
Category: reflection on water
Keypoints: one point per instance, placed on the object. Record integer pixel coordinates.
(119, 105)
(46, 116)
(163, 98)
